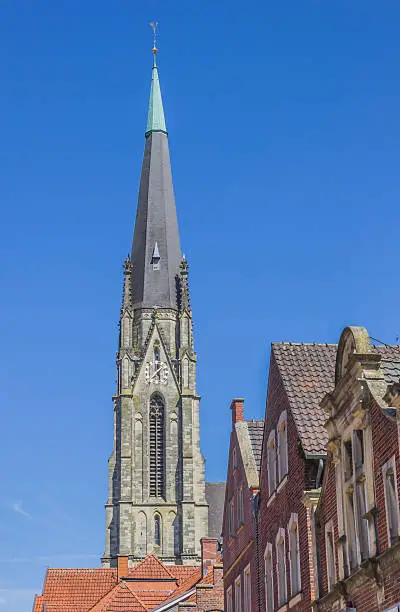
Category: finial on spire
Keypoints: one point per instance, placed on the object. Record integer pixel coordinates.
(154, 26)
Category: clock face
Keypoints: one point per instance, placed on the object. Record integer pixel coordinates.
(156, 372)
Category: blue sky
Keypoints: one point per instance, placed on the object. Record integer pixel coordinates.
(284, 133)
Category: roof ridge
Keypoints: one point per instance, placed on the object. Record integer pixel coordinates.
(135, 595)
(286, 343)
(153, 556)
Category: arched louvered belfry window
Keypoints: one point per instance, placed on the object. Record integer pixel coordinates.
(157, 468)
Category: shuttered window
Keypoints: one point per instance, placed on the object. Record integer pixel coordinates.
(157, 468)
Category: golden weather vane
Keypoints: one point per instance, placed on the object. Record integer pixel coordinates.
(154, 26)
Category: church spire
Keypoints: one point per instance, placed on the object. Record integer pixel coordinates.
(155, 118)
(156, 253)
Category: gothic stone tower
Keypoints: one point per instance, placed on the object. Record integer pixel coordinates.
(156, 471)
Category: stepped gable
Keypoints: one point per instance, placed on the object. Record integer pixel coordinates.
(307, 372)
(256, 432)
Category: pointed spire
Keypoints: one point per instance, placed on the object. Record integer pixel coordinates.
(156, 253)
(155, 118)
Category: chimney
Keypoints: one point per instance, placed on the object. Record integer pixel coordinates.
(237, 410)
(209, 553)
(122, 567)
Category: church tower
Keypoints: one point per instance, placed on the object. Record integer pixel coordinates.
(156, 497)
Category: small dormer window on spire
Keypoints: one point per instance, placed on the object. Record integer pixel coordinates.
(155, 258)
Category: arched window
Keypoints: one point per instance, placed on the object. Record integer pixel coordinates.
(157, 530)
(156, 354)
(156, 446)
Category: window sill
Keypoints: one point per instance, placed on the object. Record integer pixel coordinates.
(282, 483)
(271, 499)
(282, 608)
(295, 600)
(239, 529)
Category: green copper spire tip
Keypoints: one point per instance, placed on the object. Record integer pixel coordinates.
(155, 119)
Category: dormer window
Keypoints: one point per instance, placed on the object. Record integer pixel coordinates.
(155, 258)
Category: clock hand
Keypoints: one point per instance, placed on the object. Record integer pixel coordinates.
(156, 372)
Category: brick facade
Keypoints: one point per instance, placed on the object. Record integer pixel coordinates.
(282, 504)
(360, 567)
(239, 527)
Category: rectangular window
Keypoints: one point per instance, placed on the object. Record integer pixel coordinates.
(247, 590)
(240, 510)
(235, 458)
(358, 448)
(229, 602)
(362, 522)
(238, 594)
(231, 524)
(271, 463)
(269, 579)
(348, 459)
(282, 447)
(294, 555)
(350, 529)
(330, 555)
(281, 567)
(391, 501)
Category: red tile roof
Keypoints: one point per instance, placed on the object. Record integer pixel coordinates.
(38, 603)
(187, 585)
(148, 584)
(120, 599)
(151, 567)
(76, 590)
(308, 373)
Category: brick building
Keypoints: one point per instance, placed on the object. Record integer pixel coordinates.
(291, 468)
(149, 585)
(356, 527)
(239, 528)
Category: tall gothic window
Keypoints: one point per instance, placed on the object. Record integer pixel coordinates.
(156, 446)
(157, 531)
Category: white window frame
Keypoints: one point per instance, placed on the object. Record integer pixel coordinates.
(238, 593)
(390, 465)
(229, 600)
(281, 536)
(294, 522)
(330, 555)
(271, 455)
(247, 589)
(355, 506)
(269, 592)
(282, 447)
